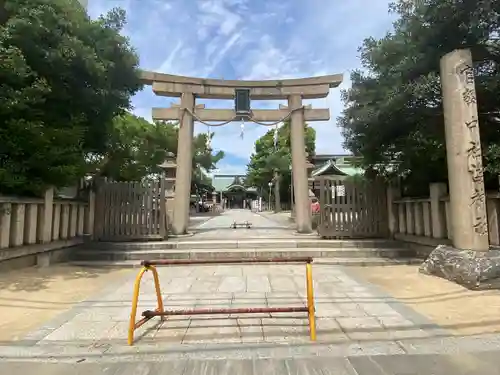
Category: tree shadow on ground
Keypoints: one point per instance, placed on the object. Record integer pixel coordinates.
(34, 279)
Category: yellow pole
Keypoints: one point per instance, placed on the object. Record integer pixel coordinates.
(135, 299)
(310, 302)
(158, 290)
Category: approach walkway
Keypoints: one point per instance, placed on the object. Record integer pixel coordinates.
(360, 330)
(219, 227)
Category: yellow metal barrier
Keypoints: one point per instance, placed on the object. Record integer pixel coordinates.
(159, 311)
(133, 325)
(310, 302)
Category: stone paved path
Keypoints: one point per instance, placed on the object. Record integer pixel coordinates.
(360, 330)
(485, 363)
(219, 227)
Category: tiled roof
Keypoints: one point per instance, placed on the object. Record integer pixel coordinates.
(332, 168)
(224, 182)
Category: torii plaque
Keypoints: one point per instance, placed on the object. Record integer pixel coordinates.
(189, 88)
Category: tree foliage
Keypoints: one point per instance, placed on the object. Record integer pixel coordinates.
(136, 148)
(266, 159)
(393, 116)
(63, 79)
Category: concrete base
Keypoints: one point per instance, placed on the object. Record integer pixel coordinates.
(188, 234)
(43, 259)
(471, 269)
(312, 234)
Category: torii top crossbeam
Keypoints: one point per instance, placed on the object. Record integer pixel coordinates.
(308, 88)
(174, 86)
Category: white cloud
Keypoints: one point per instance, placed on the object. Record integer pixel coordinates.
(166, 66)
(226, 168)
(222, 53)
(243, 39)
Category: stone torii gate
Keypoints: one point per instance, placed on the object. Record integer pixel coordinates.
(189, 88)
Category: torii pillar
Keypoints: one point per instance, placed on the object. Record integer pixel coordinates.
(182, 198)
(303, 217)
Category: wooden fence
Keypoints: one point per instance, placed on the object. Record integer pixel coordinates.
(352, 208)
(131, 211)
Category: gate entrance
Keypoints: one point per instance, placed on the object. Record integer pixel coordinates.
(351, 208)
(189, 89)
(128, 211)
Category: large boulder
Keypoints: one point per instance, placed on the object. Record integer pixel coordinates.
(472, 269)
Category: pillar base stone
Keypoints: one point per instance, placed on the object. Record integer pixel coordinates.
(187, 234)
(471, 269)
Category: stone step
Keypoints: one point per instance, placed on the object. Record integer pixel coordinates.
(186, 243)
(241, 253)
(338, 261)
(86, 254)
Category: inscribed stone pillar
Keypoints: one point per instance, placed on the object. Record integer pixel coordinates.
(184, 166)
(463, 147)
(300, 182)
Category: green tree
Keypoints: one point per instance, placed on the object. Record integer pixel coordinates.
(268, 164)
(136, 148)
(393, 116)
(64, 78)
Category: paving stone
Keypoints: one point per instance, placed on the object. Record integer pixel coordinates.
(248, 300)
(328, 310)
(281, 283)
(401, 328)
(433, 364)
(250, 329)
(81, 332)
(352, 310)
(258, 284)
(284, 299)
(119, 332)
(170, 272)
(379, 309)
(103, 314)
(214, 300)
(329, 330)
(206, 284)
(180, 285)
(228, 270)
(285, 329)
(219, 367)
(366, 366)
(152, 368)
(326, 366)
(365, 328)
(269, 367)
(180, 301)
(232, 284)
(172, 330)
(212, 329)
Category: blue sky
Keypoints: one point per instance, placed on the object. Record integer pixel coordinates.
(250, 39)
